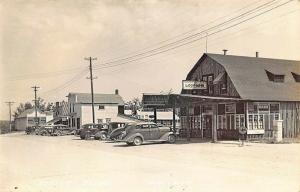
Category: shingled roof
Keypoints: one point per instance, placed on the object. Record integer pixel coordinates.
(248, 74)
(99, 98)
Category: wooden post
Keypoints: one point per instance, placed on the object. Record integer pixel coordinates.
(155, 116)
(214, 124)
(188, 134)
(174, 116)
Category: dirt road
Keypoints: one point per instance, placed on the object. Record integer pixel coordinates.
(35, 163)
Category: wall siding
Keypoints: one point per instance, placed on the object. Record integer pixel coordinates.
(289, 112)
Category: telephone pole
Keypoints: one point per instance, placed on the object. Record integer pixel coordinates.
(10, 103)
(35, 89)
(92, 86)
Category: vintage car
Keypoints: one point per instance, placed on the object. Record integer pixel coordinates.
(136, 134)
(45, 130)
(60, 130)
(30, 130)
(88, 131)
(103, 135)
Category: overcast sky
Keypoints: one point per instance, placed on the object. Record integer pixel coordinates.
(44, 43)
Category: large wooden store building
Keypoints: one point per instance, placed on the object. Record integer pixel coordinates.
(222, 93)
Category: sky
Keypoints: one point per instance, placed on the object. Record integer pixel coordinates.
(45, 43)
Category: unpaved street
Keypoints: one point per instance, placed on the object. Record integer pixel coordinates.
(35, 163)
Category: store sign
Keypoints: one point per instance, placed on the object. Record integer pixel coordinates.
(263, 107)
(190, 85)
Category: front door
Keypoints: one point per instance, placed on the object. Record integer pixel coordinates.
(207, 126)
(78, 123)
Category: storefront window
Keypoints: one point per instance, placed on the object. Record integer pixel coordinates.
(262, 114)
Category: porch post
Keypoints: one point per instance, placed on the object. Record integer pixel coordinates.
(155, 116)
(174, 116)
(214, 126)
(188, 136)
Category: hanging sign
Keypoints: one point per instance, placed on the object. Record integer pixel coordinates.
(190, 85)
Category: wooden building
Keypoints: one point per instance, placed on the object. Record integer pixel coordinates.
(237, 91)
(223, 93)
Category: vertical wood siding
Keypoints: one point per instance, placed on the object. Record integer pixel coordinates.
(289, 112)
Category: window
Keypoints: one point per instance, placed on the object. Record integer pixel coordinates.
(108, 120)
(153, 126)
(101, 107)
(210, 86)
(275, 77)
(296, 77)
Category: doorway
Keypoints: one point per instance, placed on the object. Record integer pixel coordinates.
(207, 125)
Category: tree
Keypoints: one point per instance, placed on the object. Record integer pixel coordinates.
(134, 105)
(21, 108)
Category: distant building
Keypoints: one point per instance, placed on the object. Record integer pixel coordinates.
(106, 107)
(27, 118)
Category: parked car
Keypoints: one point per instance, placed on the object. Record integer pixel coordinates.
(60, 129)
(136, 134)
(88, 131)
(103, 135)
(30, 130)
(45, 130)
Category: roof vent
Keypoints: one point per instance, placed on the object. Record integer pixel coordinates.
(225, 51)
(256, 54)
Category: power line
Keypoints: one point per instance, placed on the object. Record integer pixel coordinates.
(194, 40)
(265, 5)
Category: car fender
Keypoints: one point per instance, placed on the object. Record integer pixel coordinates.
(166, 136)
(131, 137)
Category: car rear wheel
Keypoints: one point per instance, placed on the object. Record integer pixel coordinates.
(87, 135)
(137, 141)
(171, 139)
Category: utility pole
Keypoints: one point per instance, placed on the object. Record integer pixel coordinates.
(35, 89)
(10, 103)
(92, 86)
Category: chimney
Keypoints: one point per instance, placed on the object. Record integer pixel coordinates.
(225, 51)
(256, 54)
(117, 92)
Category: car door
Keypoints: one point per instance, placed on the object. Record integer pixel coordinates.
(144, 130)
(154, 132)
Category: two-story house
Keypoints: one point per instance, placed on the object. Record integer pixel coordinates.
(106, 108)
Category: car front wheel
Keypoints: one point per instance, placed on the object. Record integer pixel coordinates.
(137, 141)
(171, 139)
(103, 136)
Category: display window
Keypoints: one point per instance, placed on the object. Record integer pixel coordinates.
(261, 115)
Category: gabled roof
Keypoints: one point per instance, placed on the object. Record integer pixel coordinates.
(99, 98)
(248, 74)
